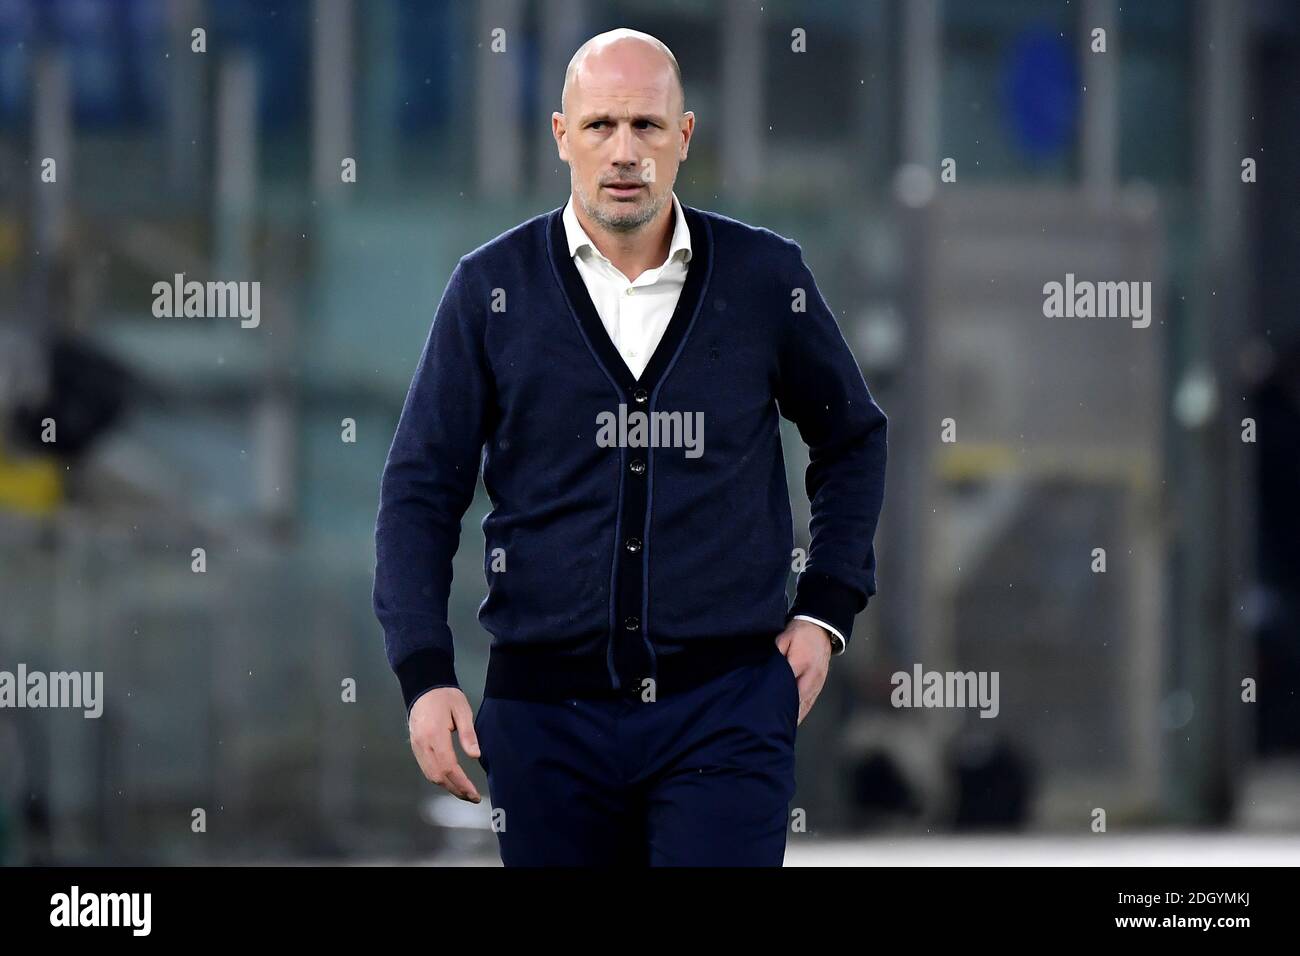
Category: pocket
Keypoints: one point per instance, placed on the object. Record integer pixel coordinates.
(479, 726)
(792, 682)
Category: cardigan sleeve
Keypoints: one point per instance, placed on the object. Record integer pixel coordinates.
(427, 485)
(821, 390)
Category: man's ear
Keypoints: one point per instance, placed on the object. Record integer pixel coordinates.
(557, 133)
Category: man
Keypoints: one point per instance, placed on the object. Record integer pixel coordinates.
(617, 368)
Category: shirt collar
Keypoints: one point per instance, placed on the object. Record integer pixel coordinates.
(578, 238)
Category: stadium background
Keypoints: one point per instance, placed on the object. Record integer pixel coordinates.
(829, 122)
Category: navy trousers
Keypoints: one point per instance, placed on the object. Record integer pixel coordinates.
(703, 777)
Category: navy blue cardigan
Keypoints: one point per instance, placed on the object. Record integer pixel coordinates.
(607, 564)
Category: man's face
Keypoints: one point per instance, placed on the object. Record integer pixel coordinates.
(623, 136)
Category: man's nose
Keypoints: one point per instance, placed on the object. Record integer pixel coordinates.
(625, 148)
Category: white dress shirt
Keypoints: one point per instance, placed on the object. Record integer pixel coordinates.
(635, 313)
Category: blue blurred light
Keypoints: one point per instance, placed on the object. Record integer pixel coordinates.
(1041, 92)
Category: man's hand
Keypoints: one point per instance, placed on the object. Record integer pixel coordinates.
(807, 648)
(435, 714)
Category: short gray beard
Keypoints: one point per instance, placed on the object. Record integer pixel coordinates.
(626, 225)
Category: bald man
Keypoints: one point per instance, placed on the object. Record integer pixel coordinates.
(617, 368)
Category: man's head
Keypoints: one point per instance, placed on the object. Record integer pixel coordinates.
(623, 122)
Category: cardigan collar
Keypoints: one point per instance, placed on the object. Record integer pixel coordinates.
(593, 330)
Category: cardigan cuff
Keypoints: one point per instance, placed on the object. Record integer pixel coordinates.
(838, 644)
(424, 670)
(823, 597)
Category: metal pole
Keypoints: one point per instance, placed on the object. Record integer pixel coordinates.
(563, 24)
(1100, 121)
(332, 76)
(51, 140)
(236, 163)
(1212, 568)
(742, 90)
(185, 96)
(498, 137)
(921, 45)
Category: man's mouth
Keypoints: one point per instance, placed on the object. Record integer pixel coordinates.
(624, 189)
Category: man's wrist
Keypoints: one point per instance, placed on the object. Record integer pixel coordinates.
(836, 638)
(826, 601)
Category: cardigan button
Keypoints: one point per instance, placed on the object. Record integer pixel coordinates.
(631, 622)
(640, 396)
(637, 467)
(633, 545)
